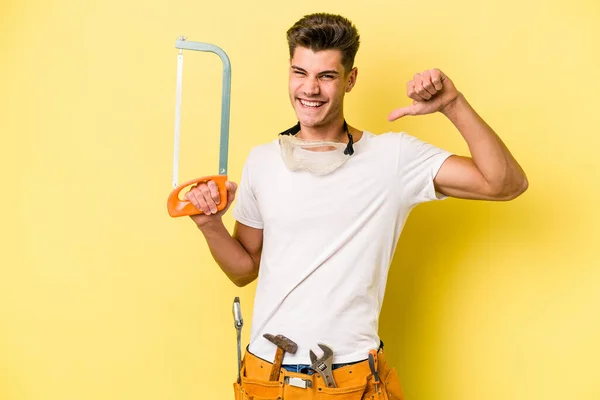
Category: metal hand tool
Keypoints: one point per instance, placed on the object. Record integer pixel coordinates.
(322, 364)
(283, 345)
(238, 323)
(176, 206)
(374, 368)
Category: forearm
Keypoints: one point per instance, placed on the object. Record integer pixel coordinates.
(233, 259)
(498, 167)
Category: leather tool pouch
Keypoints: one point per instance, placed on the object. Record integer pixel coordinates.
(355, 382)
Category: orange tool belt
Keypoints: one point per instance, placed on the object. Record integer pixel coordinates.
(354, 382)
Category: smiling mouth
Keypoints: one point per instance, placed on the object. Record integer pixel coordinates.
(311, 104)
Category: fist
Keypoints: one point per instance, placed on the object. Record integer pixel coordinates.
(205, 197)
(430, 90)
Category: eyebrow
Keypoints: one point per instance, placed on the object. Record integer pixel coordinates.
(329, 71)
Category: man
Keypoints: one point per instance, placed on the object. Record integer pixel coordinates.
(320, 211)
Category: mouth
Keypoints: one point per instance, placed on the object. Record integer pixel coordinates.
(310, 104)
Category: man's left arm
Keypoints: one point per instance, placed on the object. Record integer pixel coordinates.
(491, 173)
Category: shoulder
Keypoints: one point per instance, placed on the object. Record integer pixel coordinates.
(401, 146)
(262, 160)
(387, 140)
(263, 152)
(397, 137)
(386, 137)
(403, 140)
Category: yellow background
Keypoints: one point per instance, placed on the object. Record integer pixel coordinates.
(104, 296)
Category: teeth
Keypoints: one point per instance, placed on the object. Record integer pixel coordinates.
(310, 103)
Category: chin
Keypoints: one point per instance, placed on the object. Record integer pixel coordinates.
(309, 123)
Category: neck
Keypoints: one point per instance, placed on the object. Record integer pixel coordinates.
(332, 131)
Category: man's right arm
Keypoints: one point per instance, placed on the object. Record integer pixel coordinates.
(237, 255)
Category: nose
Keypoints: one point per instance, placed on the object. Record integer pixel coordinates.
(311, 86)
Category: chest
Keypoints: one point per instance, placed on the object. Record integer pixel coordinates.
(301, 202)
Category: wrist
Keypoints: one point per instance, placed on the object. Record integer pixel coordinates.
(455, 106)
(211, 224)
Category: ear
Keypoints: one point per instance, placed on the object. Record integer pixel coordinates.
(351, 79)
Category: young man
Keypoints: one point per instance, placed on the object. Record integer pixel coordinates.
(320, 211)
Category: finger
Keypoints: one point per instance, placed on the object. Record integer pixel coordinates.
(195, 197)
(210, 203)
(231, 189)
(202, 205)
(190, 197)
(422, 92)
(437, 78)
(428, 84)
(419, 89)
(399, 113)
(411, 92)
(214, 192)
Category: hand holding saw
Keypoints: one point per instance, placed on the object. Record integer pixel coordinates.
(176, 206)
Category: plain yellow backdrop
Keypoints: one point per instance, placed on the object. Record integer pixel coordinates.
(104, 296)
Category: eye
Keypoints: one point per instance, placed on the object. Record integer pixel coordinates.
(327, 76)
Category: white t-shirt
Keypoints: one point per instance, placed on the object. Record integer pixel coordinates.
(329, 241)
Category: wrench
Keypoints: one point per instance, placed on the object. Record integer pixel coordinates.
(373, 364)
(322, 365)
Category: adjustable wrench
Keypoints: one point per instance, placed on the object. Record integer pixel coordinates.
(322, 365)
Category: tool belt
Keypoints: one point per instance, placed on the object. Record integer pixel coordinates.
(354, 382)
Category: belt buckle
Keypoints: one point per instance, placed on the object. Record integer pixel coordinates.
(298, 382)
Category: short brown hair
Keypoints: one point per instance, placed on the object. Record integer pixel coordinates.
(322, 31)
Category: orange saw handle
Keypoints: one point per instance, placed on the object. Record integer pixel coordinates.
(181, 208)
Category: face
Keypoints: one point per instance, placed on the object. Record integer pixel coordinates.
(317, 85)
